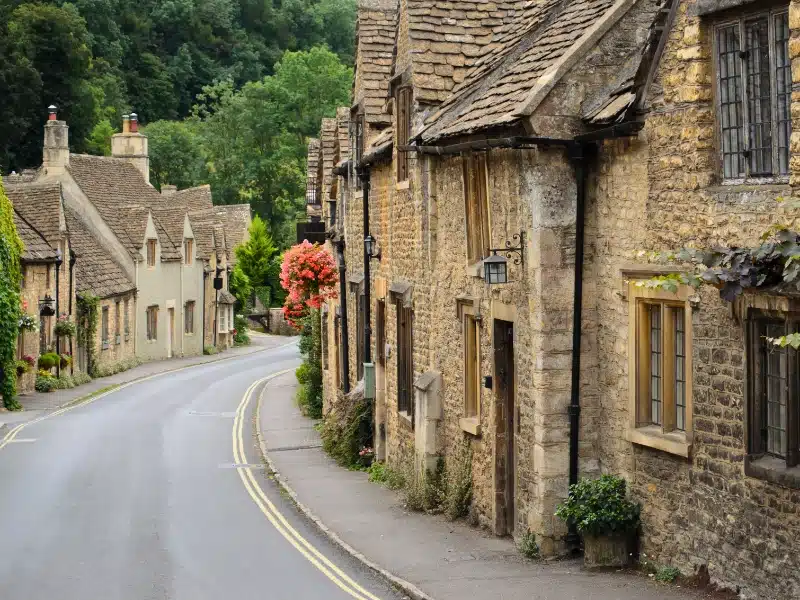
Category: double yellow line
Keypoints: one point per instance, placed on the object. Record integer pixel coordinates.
(314, 556)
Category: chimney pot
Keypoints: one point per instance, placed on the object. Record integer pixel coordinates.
(52, 109)
(134, 123)
(126, 123)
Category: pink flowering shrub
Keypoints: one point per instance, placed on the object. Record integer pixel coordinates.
(309, 276)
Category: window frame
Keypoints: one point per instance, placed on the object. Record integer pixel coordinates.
(117, 319)
(403, 103)
(104, 316)
(126, 319)
(641, 429)
(151, 319)
(740, 20)
(188, 317)
(361, 310)
(188, 251)
(405, 359)
(152, 250)
(471, 345)
(477, 218)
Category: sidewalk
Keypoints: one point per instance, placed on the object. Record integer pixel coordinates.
(36, 403)
(443, 560)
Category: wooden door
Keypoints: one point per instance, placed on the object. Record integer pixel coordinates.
(506, 426)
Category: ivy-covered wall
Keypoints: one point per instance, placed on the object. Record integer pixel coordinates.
(10, 251)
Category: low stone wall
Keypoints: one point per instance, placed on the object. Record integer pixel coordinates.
(276, 323)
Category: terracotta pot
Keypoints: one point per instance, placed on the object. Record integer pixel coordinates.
(610, 550)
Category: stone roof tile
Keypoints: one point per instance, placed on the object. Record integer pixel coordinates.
(375, 36)
(36, 247)
(40, 205)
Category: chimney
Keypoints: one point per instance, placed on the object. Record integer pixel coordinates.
(168, 190)
(56, 144)
(132, 145)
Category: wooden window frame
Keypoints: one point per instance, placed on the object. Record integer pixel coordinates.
(361, 310)
(380, 332)
(104, 316)
(188, 251)
(405, 359)
(151, 253)
(476, 205)
(126, 319)
(117, 320)
(403, 99)
(641, 429)
(744, 172)
(471, 346)
(188, 318)
(151, 314)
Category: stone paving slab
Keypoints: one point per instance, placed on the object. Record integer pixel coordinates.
(37, 403)
(444, 560)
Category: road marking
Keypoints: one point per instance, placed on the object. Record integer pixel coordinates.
(241, 466)
(303, 546)
(11, 435)
(224, 415)
(23, 440)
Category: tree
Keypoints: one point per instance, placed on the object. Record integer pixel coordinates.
(176, 156)
(10, 251)
(240, 285)
(99, 141)
(254, 257)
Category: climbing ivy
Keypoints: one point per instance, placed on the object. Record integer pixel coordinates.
(87, 329)
(10, 251)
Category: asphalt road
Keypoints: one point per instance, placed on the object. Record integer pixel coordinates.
(141, 495)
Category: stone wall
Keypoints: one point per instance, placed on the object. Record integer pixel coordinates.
(118, 347)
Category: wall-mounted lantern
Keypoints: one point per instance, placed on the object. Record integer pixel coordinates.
(47, 306)
(495, 267)
(371, 247)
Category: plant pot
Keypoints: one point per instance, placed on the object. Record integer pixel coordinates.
(609, 550)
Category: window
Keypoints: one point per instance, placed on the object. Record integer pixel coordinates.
(125, 320)
(405, 368)
(472, 358)
(188, 250)
(311, 191)
(117, 320)
(477, 207)
(660, 369)
(152, 322)
(380, 332)
(403, 105)
(360, 337)
(774, 407)
(754, 87)
(188, 322)
(151, 253)
(104, 327)
(358, 143)
(223, 319)
(337, 336)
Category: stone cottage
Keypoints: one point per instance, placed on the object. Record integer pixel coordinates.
(534, 154)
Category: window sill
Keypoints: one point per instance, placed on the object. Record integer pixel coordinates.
(472, 425)
(475, 269)
(402, 185)
(674, 442)
(773, 470)
(405, 418)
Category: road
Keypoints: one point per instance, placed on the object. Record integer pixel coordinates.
(156, 491)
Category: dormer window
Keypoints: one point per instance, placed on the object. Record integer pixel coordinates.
(754, 87)
(151, 253)
(188, 251)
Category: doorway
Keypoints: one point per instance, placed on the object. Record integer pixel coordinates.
(507, 428)
(170, 331)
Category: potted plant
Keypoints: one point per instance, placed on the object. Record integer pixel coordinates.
(64, 327)
(366, 456)
(27, 323)
(29, 359)
(66, 360)
(607, 520)
(22, 367)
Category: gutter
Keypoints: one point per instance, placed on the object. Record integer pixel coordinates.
(343, 308)
(577, 148)
(72, 260)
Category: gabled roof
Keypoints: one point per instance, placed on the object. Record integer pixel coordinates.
(235, 219)
(96, 270)
(191, 199)
(328, 151)
(40, 205)
(343, 133)
(36, 247)
(203, 236)
(509, 81)
(169, 221)
(446, 38)
(380, 148)
(375, 37)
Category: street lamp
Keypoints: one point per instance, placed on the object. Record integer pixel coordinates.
(495, 267)
(371, 246)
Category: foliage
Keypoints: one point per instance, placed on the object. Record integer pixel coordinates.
(599, 506)
(309, 276)
(176, 155)
(108, 369)
(424, 491)
(64, 327)
(380, 472)
(28, 323)
(240, 287)
(309, 374)
(253, 262)
(348, 430)
(527, 545)
(45, 383)
(66, 360)
(86, 329)
(22, 367)
(98, 58)
(667, 574)
(29, 359)
(10, 252)
(48, 360)
(458, 495)
(99, 140)
(240, 328)
(210, 350)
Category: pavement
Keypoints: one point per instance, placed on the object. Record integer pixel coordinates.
(426, 555)
(156, 491)
(36, 404)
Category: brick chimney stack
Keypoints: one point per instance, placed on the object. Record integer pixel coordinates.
(132, 145)
(56, 144)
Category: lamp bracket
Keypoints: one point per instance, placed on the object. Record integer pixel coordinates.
(510, 250)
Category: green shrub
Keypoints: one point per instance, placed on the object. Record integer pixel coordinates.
(210, 350)
(45, 384)
(425, 490)
(109, 369)
(240, 338)
(65, 382)
(347, 431)
(458, 487)
(49, 360)
(599, 506)
(380, 472)
(527, 545)
(667, 574)
(302, 373)
(22, 367)
(81, 378)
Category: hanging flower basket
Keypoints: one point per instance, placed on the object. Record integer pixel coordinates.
(64, 327)
(28, 323)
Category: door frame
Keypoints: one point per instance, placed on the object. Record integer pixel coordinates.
(506, 455)
(170, 331)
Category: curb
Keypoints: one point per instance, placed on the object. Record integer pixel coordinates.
(408, 587)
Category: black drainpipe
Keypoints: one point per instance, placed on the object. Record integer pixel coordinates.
(343, 316)
(365, 186)
(72, 259)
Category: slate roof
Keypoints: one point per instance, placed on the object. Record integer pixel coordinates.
(192, 199)
(446, 39)
(40, 205)
(343, 133)
(312, 162)
(225, 297)
(114, 186)
(327, 152)
(375, 34)
(380, 147)
(235, 219)
(203, 232)
(96, 270)
(169, 221)
(522, 59)
(36, 247)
